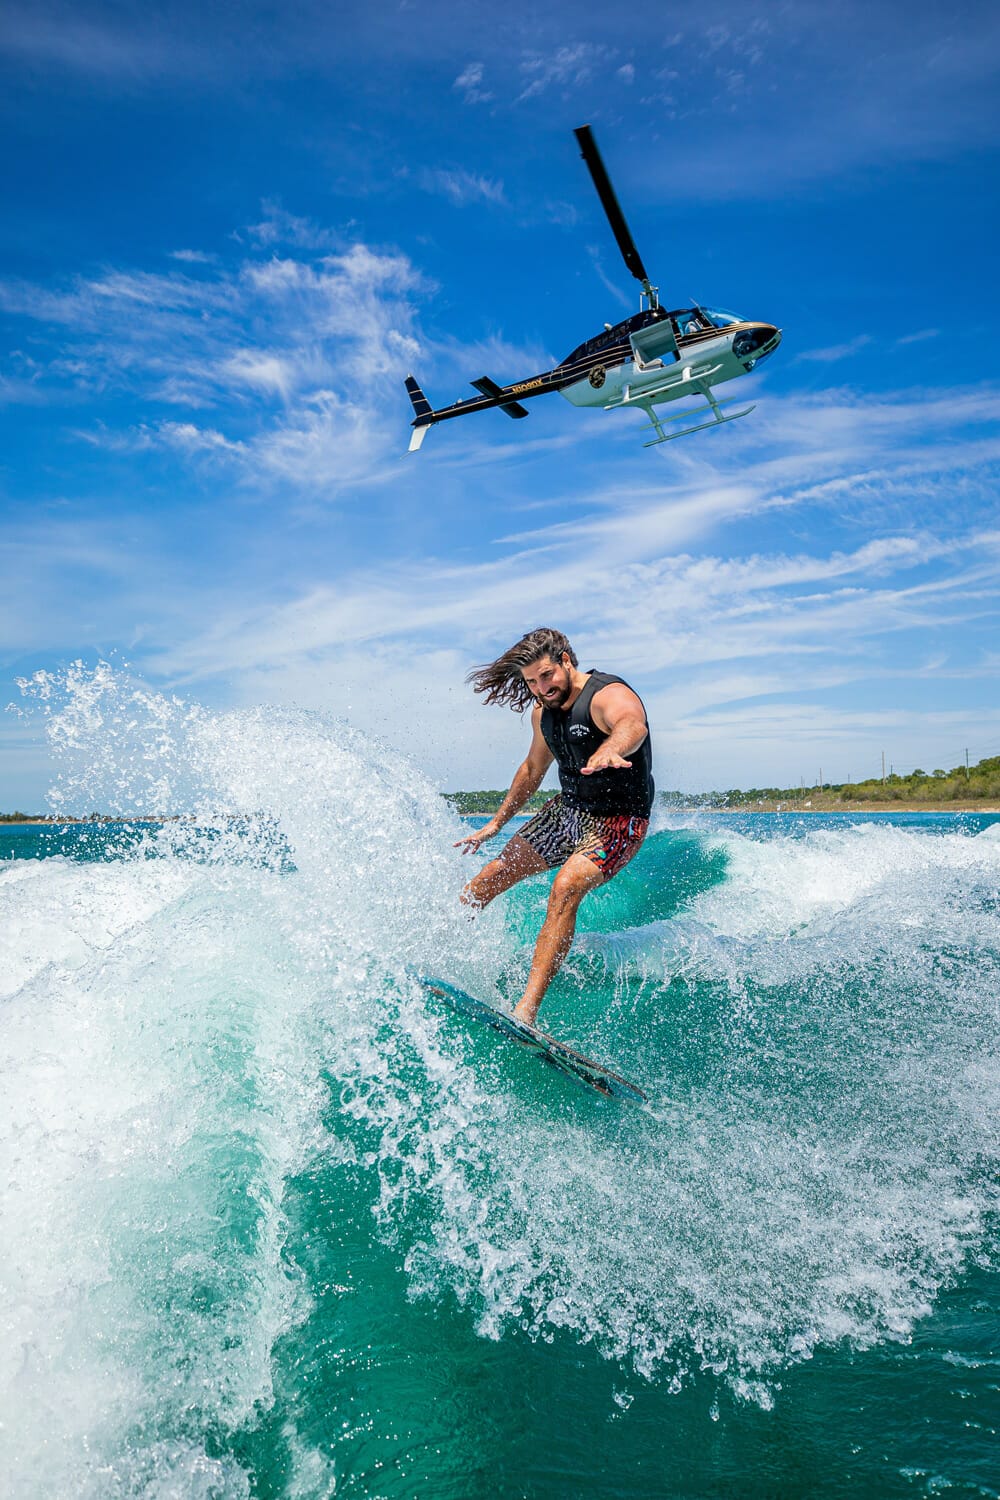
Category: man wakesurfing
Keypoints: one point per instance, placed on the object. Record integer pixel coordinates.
(594, 726)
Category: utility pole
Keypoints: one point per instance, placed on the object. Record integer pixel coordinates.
(966, 762)
(821, 778)
(883, 768)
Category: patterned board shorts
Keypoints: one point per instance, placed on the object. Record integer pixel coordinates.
(557, 831)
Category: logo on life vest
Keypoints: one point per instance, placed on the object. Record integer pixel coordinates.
(578, 731)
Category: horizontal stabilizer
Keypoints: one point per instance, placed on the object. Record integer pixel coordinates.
(421, 406)
(490, 388)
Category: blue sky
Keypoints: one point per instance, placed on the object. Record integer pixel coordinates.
(228, 233)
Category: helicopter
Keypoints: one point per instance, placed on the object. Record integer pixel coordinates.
(655, 356)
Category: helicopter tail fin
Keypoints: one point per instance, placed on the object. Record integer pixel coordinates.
(421, 406)
(423, 413)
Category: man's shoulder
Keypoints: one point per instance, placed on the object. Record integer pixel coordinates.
(617, 688)
(610, 683)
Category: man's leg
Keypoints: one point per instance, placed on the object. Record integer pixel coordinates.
(577, 876)
(517, 861)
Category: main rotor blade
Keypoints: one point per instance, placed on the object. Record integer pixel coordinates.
(606, 193)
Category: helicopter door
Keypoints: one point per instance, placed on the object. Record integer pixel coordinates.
(654, 345)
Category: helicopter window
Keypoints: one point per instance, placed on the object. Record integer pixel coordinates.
(596, 344)
(720, 317)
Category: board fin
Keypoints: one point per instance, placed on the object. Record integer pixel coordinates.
(490, 388)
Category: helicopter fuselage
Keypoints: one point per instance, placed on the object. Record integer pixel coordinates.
(616, 369)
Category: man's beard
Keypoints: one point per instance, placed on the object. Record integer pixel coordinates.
(560, 700)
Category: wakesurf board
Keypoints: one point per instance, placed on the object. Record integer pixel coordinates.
(546, 1047)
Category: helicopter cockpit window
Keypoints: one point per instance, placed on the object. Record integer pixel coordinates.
(720, 317)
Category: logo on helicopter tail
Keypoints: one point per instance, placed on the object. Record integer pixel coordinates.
(598, 376)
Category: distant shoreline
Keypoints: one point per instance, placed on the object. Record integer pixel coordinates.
(679, 807)
(9, 821)
(850, 807)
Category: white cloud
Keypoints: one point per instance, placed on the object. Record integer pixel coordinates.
(326, 443)
(262, 371)
(919, 337)
(63, 37)
(615, 287)
(296, 350)
(570, 66)
(279, 227)
(460, 186)
(192, 439)
(470, 84)
(830, 353)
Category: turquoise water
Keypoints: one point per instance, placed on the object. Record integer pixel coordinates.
(275, 1225)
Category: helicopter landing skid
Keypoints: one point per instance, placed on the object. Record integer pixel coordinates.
(693, 381)
(716, 420)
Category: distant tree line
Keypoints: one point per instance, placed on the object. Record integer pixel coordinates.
(471, 803)
(978, 783)
(94, 817)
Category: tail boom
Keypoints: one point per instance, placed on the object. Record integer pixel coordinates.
(507, 398)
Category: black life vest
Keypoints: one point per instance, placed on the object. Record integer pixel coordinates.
(572, 736)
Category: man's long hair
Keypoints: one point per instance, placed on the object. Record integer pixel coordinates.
(501, 680)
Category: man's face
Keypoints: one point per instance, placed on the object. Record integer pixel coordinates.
(549, 681)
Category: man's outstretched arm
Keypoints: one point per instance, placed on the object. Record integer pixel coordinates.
(527, 779)
(619, 713)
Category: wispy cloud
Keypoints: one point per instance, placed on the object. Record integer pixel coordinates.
(96, 44)
(184, 437)
(279, 227)
(460, 186)
(729, 643)
(767, 603)
(309, 343)
(570, 66)
(832, 352)
(919, 337)
(614, 287)
(470, 84)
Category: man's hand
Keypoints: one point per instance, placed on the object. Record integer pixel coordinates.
(604, 759)
(472, 841)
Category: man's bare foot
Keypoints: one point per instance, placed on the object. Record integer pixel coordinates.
(526, 1011)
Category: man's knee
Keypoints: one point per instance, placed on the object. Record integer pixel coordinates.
(570, 887)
